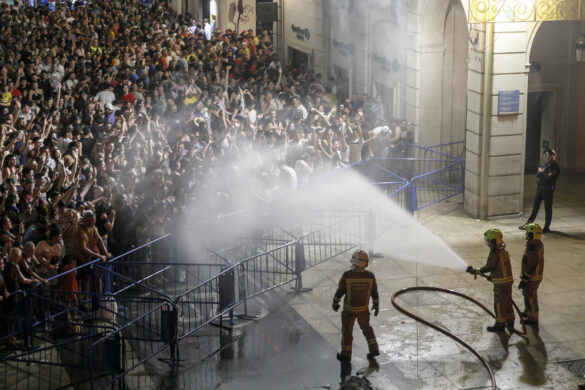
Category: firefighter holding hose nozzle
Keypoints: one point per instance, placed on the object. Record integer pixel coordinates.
(531, 275)
(358, 285)
(500, 274)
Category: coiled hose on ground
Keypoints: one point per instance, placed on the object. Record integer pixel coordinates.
(447, 333)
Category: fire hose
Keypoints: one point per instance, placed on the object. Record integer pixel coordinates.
(449, 334)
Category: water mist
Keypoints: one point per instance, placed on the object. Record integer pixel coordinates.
(248, 197)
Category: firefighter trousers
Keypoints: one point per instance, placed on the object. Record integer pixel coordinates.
(503, 307)
(347, 322)
(530, 293)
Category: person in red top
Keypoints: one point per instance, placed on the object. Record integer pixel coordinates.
(127, 96)
(358, 285)
(27, 193)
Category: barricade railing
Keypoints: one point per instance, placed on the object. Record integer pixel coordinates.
(438, 185)
(68, 363)
(452, 149)
(165, 293)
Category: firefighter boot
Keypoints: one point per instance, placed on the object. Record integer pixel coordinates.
(496, 328)
(373, 363)
(534, 323)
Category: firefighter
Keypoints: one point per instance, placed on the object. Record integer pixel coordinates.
(500, 269)
(357, 285)
(531, 275)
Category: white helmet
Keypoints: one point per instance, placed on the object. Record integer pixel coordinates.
(360, 258)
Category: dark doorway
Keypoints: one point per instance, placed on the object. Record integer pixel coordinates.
(298, 58)
(540, 128)
(206, 9)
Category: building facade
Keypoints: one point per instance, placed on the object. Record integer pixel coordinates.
(509, 88)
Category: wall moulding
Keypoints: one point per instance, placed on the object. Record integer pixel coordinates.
(493, 11)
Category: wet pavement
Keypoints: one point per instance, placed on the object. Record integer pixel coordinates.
(293, 345)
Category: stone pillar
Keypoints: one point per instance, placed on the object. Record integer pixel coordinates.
(494, 177)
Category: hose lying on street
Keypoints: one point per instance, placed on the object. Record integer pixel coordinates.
(447, 333)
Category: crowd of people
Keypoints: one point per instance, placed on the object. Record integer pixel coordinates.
(115, 118)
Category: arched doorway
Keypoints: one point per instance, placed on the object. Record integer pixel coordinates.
(443, 75)
(556, 91)
(455, 38)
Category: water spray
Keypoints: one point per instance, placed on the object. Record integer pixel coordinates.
(472, 271)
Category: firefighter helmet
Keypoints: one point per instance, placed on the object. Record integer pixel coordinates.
(360, 258)
(533, 231)
(492, 235)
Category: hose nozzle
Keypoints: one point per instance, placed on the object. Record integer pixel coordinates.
(470, 270)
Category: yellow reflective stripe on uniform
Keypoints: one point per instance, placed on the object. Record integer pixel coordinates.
(355, 308)
(507, 279)
(499, 315)
(348, 290)
(533, 277)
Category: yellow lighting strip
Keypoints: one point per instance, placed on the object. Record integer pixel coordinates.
(492, 11)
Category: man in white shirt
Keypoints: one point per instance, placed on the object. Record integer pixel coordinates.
(207, 29)
(106, 96)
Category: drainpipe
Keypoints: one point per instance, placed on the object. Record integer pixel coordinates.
(486, 118)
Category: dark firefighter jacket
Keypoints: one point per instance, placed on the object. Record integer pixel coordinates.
(533, 261)
(499, 267)
(357, 286)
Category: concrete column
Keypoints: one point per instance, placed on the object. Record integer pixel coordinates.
(494, 177)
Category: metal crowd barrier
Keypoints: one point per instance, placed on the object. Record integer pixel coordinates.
(152, 298)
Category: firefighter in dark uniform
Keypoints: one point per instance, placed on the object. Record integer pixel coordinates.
(358, 285)
(500, 274)
(547, 178)
(532, 267)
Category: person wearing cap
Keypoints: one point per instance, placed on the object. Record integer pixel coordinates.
(547, 178)
(358, 285)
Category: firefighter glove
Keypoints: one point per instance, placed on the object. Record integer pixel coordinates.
(473, 271)
(376, 309)
(522, 285)
(335, 306)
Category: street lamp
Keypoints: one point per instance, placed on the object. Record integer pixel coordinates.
(580, 49)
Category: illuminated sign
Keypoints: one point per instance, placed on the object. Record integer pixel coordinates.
(491, 11)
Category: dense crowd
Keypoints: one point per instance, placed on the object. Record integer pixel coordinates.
(115, 118)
